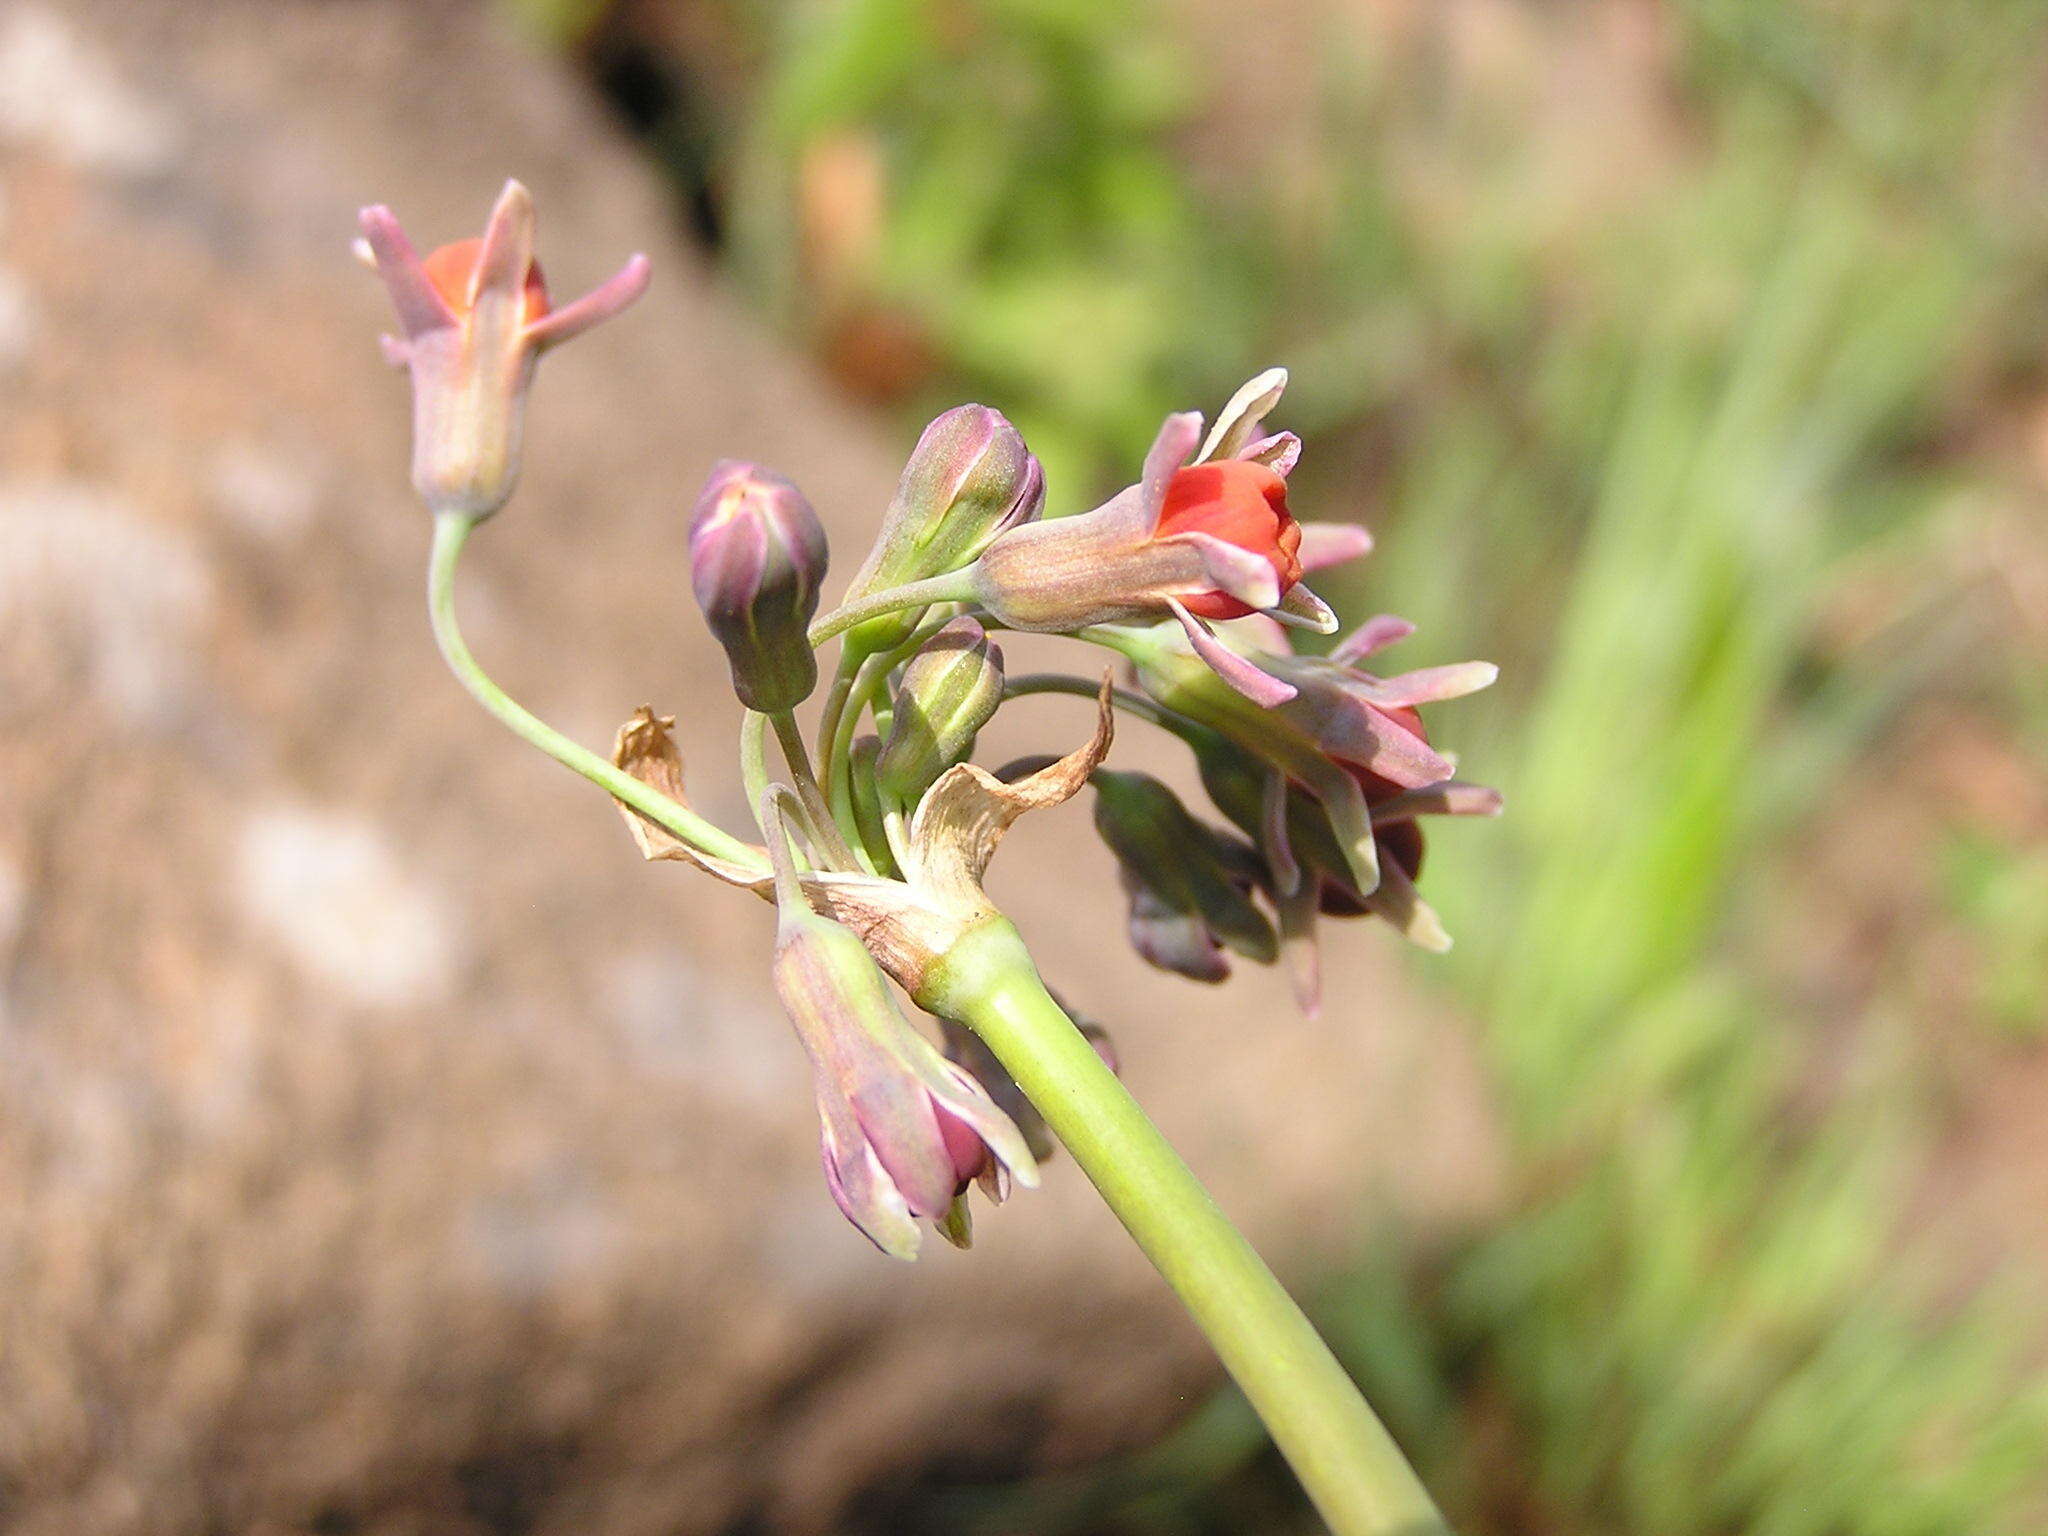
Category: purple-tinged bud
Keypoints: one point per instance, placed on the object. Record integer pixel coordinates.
(949, 690)
(969, 479)
(757, 557)
(905, 1129)
(1189, 884)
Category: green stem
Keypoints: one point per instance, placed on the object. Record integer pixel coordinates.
(953, 587)
(1346, 1460)
(451, 532)
(798, 757)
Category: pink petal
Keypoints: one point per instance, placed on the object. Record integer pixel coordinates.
(1326, 544)
(507, 253)
(1237, 572)
(1170, 449)
(595, 307)
(1431, 685)
(420, 308)
(1414, 919)
(1372, 637)
(1262, 688)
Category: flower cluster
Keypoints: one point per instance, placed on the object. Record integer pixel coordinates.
(874, 843)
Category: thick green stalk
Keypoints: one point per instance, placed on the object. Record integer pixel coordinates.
(451, 532)
(1344, 1457)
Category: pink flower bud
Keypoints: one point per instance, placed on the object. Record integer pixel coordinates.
(757, 557)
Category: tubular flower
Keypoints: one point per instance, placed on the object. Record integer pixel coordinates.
(757, 555)
(1194, 541)
(476, 318)
(905, 1130)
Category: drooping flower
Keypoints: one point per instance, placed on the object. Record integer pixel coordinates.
(757, 557)
(1195, 541)
(475, 317)
(1189, 884)
(1338, 730)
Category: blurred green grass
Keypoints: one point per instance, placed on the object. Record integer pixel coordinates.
(1638, 391)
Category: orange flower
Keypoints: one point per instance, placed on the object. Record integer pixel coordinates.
(1244, 504)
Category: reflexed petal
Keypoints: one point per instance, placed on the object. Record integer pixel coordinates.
(1453, 797)
(1238, 420)
(1326, 544)
(1273, 838)
(1372, 637)
(1262, 688)
(595, 307)
(1430, 685)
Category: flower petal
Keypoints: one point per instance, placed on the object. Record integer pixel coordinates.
(1399, 903)
(1262, 688)
(1371, 637)
(860, 1186)
(1238, 420)
(1279, 453)
(1170, 449)
(1298, 944)
(1302, 609)
(1326, 544)
(1273, 838)
(1452, 797)
(420, 308)
(595, 307)
(1430, 685)
(507, 253)
(1232, 570)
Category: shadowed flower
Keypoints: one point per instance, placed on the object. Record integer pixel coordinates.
(1197, 541)
(475, 318)
(1189, 884)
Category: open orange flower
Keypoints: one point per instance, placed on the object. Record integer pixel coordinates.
(1195, 541)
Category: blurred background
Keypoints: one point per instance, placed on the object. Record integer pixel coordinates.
(385, 1150)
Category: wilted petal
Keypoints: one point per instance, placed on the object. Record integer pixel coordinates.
(645, 749)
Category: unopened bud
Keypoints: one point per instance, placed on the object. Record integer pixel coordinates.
(949, 691)
(969, 479)
(757, 556)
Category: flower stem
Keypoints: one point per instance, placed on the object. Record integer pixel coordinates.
(1346, 1460)
(798, 757)
(953, 587)
(451, 532)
